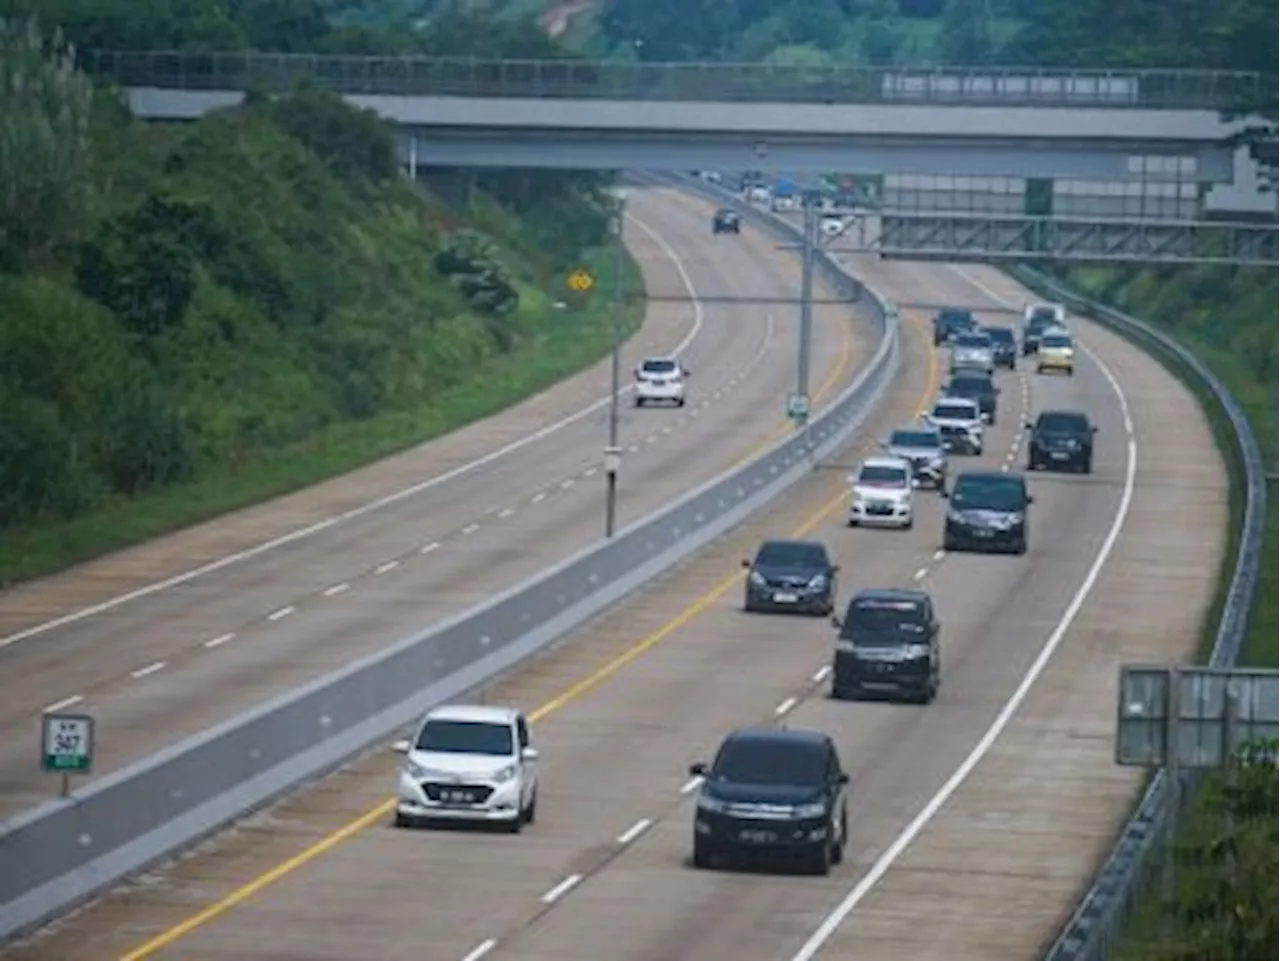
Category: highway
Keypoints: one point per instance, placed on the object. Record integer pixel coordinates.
(996, 798)
(456, 522)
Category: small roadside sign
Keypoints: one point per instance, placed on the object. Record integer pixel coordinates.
(66, 746)
(580, 281)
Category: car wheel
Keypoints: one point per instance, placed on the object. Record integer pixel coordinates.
(911, 522)
(680, 402)
(837, 849)
(949, 544)
(820, 860)
(1087, 466)
(639, 401)
(531, 812)
(1020, 547)
(701, 857)
(403, 821)
(514, 826)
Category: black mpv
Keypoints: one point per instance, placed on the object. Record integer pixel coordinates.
(949, 322)
(791, 576)
(1061, 439)
(978, 388)
(726, 222)
(1004, 345)
(987, 512)
(888, 643)
(774, 793)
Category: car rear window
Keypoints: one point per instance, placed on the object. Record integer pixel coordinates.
(1055, 340)
(658, 366)
(972, 340)
(791, 554)
(752, 761)
(914, 438)
(1001, 335)
(1062, 421)
(954, 411)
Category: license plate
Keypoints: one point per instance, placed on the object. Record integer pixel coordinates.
(1059, 455)
(455, 797)
(982, 532)
(758, 837)
(783, 597)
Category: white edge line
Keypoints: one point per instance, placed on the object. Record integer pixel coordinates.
(691, 785)
(785, 706)
(149, 669)
(561, 889)
(381, 502)
(66, 702)
(886, 860)
(220, 639)
(283, 612)
(480, 950)
(633, 832)
(821, 673)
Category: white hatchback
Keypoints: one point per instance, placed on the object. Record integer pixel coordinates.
(660, 380)
(883, 493)
(468, 763)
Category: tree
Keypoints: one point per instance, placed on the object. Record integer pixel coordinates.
(44, 145)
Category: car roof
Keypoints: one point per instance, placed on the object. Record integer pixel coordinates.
(948, 399)
(661, 360)
(726, 210)
(916, 429)
(1061, 412)
(778, 735)
(887, 460)
(891, 594)
(998, 329)
(475, 713)
(981, 474)
(1055, 331)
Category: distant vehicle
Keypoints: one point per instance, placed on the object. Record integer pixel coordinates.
(1061, 439)
(468, 763)
(1056, 351)
(1004, 346)
(758, 194)
(785, 195)
(959, 421)
(923, 448)
(987, 512)
(951, 321)
(791, 575)
(660, 380)
(883, 493)
(973, 350)
(977, 387)
(1036, 318)
(772, 792)
(888, 642)
(833, 225)
(726, 221)
(709, 176)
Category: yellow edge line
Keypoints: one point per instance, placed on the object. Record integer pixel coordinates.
(575, 691)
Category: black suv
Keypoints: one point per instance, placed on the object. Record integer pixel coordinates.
(1061, 438)
(1041, 319)
(726, 221)
(773, 792)
(1004, 345)
(791, 576)
(988, 512)
(977, 387)
(951, 321)
(888, 642)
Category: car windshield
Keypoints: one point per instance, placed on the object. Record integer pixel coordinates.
(955, 412)
(972, 340)
(955, 317)
(465, 737)
(1055, 340)
(914, 439)
(1000, 335)
(885, 618)
(658, 366)
(1043, 315)
(1063, 422)
(791, 554)
(968, 386)
(752, 761)
(876, 476)
(989, 493)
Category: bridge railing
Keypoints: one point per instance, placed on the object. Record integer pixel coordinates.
(720, 82)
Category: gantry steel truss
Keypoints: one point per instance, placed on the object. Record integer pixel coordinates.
(924, 235)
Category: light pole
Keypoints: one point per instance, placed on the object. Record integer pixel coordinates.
(799, 406)
(613, 452)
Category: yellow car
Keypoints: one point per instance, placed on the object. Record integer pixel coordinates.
(1056, 352)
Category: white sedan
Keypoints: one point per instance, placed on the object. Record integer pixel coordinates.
(883, 493)
(468, 763)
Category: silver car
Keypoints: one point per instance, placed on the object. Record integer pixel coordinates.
(959, 421)
(924, 449)
(973, 351)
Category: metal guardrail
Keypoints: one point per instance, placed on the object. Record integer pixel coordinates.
(1097, 923)
(66, 850)
(718, 82)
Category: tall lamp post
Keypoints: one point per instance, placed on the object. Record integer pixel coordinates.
(613, 451)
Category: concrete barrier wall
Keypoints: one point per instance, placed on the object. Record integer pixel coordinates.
(67, 850)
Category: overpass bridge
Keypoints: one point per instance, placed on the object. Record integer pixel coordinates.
(1153, 130)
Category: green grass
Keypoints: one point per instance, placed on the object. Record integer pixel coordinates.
(570, 341)
(1146, 935)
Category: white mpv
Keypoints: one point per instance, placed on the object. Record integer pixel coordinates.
(883, 493)
(468, 763)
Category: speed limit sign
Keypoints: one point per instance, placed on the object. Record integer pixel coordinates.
(66, 745)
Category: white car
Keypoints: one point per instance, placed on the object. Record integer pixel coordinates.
(959, 421)
(759, 194)
(973, 350)
(883, 493)
(468, 763)
(1055, 314)
(660, 380)
(833, 225)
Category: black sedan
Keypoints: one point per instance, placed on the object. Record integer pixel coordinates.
(791, 576)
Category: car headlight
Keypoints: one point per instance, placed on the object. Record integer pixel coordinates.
(955, 517)
(416, 770)
(915, 651)
(818, 582)
(1073, 444)
(710, 804)
(504, 774)
(814, 810)
(757, 579)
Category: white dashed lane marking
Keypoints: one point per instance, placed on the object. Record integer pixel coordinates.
(148, 670)
(281, 613)
(62, 705)
(221, 639)
(386, 568)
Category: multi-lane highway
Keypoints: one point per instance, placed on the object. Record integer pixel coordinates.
(979, 815)
(461, 520)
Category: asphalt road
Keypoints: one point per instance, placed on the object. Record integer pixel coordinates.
(172, 662)
(621, 709)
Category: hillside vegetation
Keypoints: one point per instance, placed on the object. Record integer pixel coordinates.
(197, 316)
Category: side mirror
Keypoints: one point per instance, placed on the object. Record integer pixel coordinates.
(1028, 426)
(835, 568)
(746, 563)
(836, 622)
(1030, 499)
(698, 770)
(1093, 430)
(686, 372)
(842, 778)
(401, 746)
(528, 754)
(944, 493)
